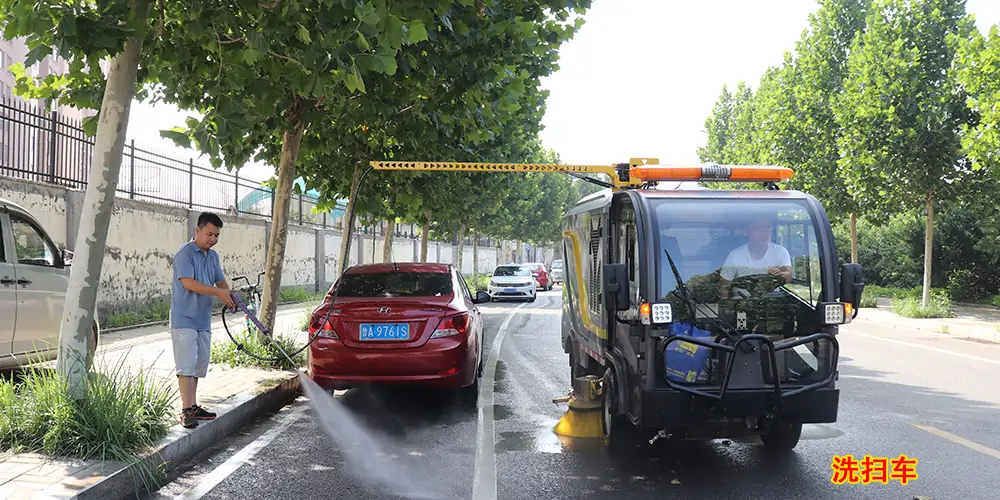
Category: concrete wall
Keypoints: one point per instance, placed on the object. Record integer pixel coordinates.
(143, 238)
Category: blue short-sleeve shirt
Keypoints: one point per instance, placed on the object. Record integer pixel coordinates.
(189, 309)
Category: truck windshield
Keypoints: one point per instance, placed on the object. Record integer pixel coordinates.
(764, 252)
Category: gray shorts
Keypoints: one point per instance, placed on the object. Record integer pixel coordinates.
(191, 351)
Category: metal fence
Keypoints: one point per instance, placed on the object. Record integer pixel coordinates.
(46, 147)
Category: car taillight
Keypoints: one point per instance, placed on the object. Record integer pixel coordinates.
(320, 327)
(452, 325)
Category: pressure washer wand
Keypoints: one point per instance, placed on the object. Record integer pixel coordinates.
(243, 307)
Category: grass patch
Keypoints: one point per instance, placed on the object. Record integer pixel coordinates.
(230, 354)
(995, 301)
(159, 311)
(939, 306)
(478, 282)
(297, 295)
(122, 415)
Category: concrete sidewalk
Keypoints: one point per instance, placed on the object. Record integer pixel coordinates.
(236, 394)
(974, 322)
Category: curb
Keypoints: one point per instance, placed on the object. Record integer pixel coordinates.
(987, 333)
(182, 444)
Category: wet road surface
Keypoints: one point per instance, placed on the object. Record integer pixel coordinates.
(927, 396)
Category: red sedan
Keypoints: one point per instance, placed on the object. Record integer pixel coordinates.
(399, 324)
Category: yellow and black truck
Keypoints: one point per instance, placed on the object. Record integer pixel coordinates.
(706, 313)
(696, 313)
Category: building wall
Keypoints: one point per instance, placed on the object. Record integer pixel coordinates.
(143, 238)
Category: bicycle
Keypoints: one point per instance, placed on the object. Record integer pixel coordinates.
(254, 299)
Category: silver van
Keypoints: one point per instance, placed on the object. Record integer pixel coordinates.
(34, 276)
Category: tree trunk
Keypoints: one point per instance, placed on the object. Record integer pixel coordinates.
(387, 247)
(475, 253)
(854, 238)
(279, 225)
(344, 257)
(928, 250)
(461, 246)
(425, 237)
(73, 359)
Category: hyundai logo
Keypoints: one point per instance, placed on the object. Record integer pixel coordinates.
(384, 310)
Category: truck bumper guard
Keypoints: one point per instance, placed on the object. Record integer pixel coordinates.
(763, 342)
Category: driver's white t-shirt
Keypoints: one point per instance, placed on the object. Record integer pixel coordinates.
(739, 263)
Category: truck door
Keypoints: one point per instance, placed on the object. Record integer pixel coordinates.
(625, 250)
(8, 289)
(41, 287)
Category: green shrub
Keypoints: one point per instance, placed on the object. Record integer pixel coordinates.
(156, 312)
(939, 306)
(294, 295)
(229, 353)
(122, 415)
(478, 282)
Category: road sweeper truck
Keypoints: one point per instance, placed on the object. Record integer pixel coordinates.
(695, 313)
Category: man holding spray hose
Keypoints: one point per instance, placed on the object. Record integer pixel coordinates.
(197, 278)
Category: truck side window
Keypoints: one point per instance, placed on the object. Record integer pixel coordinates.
(628, 247)
(30, 245)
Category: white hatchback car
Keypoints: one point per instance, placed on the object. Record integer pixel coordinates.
(512, 281)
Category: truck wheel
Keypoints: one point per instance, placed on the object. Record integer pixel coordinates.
(619, 433)
(782, 437)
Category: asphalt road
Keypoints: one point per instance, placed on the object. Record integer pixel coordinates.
(927, 396)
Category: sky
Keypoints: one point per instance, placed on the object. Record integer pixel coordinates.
(638, 80)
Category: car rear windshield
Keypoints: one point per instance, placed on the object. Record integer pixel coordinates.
(393, 284)
(512, 271)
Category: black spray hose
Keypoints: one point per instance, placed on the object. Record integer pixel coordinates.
(240, 305)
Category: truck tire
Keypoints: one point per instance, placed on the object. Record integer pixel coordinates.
(619, 434)
(781, 438)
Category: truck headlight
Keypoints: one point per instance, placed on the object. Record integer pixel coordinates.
(838, 313)
(656, 314)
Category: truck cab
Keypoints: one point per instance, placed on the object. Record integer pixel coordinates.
(706, 313)
(34, 277)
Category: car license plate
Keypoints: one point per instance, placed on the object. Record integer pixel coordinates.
(509, 290)
(385, 331)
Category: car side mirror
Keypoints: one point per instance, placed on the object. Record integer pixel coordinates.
(67, 257)
(852, 285)
(616, 285)
(481, 298)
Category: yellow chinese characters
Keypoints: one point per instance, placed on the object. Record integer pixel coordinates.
(847, 469)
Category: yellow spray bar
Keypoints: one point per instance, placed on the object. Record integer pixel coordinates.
(612, 171)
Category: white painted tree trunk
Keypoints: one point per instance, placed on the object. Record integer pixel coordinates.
(854, 238)
(461, 247)
(928, 251)
(279, 225)
(344, 258)
(425, 236)
(475, 253)
(390, 231)
(91, 239)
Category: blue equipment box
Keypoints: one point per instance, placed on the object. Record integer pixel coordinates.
(684, 361)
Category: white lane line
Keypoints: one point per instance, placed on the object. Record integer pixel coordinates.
(986, 450)
(220, 473)
(928, 348)
(484, 479)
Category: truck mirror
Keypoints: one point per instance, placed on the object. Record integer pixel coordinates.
(616, 285)
(852, 285)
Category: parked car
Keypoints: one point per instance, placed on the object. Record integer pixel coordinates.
(34, 276)
(513, 281)
(557, 271)
(399, 324)
(541, 275)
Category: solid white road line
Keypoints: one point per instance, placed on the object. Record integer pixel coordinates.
(927, 348)
(220, 473)
(484, 479)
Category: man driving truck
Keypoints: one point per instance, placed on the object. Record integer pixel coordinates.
(758, 256)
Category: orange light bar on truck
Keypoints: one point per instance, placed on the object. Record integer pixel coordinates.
(741, 173)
